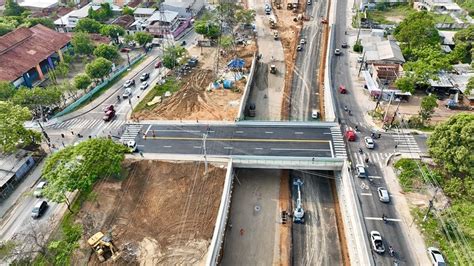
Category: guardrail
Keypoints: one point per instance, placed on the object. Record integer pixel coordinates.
(217, 241)
(246, 93)
(91, 93)
(281, 162)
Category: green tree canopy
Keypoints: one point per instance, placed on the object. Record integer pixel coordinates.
(79, 167)
(417, 29)
(245, 16)
(452, 145)
(37, 98)
(106, 51)
(82, 43)
(12, 131)
(7, 90)
(30, 22)
(172, 54)
(101, 14)
(207, 28)
(113, 31)
(127, 11)
(469, 86)
(406, 83)
(427, 106)
(143, 38)
(88, 25)
(464, 45)
(6, 28)
(12, 8)
(99, 68)
(82, 81)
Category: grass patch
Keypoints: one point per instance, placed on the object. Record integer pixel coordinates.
(170, 85)
(385, 15)
(105, 88)
(443, 18)
(412, 175)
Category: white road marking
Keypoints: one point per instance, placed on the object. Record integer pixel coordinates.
(287, 149)
(167, 146)
(268, 132)
(327, 133)
(380, 219)
(197, 147)
(375, 177)
(177, 130)
(228, 148)
(146, 132)
(238, 132)
(259, 148)
(366, 194)
(299, 133)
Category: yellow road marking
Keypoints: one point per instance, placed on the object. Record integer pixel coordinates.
(243, 140)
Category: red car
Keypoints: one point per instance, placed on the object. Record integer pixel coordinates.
(350, 134)
(158, 64)
(324, 21)
(342, 89)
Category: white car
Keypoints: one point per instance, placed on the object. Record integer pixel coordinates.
(383, 194)
(299, 47)
(369, 143)
(129, 83)
(303, 41)
(436, 257)
(361, 171)
(127, 93)
(337, 52)
(377, 242)
(39, 189)
(360, 58)
(309, 2)
(144, 85)
(132, 145)
(315, 114)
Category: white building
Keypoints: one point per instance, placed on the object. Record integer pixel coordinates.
(69, 21)
(38, 4)
(439, 6)
(185, 8)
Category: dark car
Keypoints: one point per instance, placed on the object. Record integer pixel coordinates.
(39, 209)
(109, 115)
(158, 64)
(144, 76)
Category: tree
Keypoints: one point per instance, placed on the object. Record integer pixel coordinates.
(128, 38)
(79, 167)
(427, 106)
(143, 38)
(207, 28)
(226, 42)
(127, 11)
(82, 81)
(12, 131)
(30, 22)
(245, 16)
(62, 69)
(12, 8)
(464, 48)
(82, 43)
(99, 68)
(37, 98)
(88, 25)
(6, 28)
(417, 29)
(108, 52)
(469, 86)
(101, 14)
(451, 145)
(7, 90)
(113, 31)
(406, 84)
(171, 54)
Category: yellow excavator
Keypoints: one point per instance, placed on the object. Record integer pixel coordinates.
(103, 247)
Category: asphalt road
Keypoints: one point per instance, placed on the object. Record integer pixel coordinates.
(304, 86)
(315, 242)
(237, 140)
(372, 208)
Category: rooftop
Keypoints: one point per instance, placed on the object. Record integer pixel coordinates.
(78, 13)
(124, 21)
(165, 16)
(10, 163)
(144, 11)
(38, 3)
(179, 3)
(384, 51)
(23, 48)
(447, 37)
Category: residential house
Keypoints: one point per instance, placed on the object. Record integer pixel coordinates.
(439, 6)
(13, 168)
(118, 3)
(185, 8)
(26, 54)
(125, 21)
(36, 5)
(167, 24)
(68, 22)
(454, 84)
(143, 13)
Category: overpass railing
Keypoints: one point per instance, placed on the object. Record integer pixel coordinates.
(282, 162)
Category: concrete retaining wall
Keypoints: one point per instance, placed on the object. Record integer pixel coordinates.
(214, 252)
(246, 93)
(330, 104)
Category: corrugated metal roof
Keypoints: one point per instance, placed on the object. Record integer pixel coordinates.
(23, 48)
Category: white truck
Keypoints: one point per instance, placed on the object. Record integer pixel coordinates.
(298, 212)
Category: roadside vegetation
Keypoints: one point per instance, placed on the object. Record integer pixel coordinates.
(170, 85)
(450, 223)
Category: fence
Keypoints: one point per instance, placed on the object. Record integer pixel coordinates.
(90, 94)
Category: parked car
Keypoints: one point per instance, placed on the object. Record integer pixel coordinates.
(324, 21)
(377, 242)
(144, 85)
(315, 114)
(127, 93)
(128, 83)
(144, 76)
(383, 194)
(337, 52)
(39, 189)
(132, 145)
(252, 110)
(39, 209)
(361, 171)
(342, 89)
(299, 47)
(309, 2)
(344, 45)
(158, 64)
(436, 257)
(369, 143)
(303, 41)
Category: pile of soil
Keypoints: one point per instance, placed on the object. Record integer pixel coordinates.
(162, 213)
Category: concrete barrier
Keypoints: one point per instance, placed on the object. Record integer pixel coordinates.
(356, 238)
(246, 93)
(215, 248)
(330, 103)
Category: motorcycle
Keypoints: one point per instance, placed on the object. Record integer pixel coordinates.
(391, 251)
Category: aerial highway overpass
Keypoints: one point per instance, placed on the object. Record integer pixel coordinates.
(304, 145)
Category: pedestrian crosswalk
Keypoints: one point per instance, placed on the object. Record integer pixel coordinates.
(338, 143)
(131, 132)
(406, 143)
(377, 158)
(81, 123)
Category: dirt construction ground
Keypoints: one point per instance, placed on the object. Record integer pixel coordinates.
(163, 213)
(194, 100)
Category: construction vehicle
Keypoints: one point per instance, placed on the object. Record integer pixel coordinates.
(103, 247)
(275, 35)
(298, 212)
(273, 69)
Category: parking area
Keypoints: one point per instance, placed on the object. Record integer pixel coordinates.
(254, 216)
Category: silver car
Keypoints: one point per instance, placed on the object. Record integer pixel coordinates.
(383, 194)
(127, 93)
(369, 143)
(361, 171)
(436, 257)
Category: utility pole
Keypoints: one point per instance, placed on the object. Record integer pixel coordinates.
(204, 138)
(388, 107)
(48, 140)
(395, 114)
(379, 98)
(361, 64)
(430, 205)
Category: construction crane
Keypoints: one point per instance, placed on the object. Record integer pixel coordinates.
(298, 212)
(103, 247)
